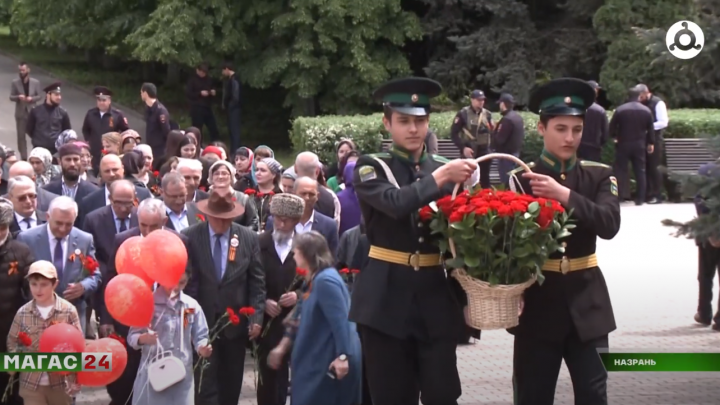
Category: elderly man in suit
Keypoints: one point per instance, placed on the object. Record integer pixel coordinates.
(192, 172)
(226, 273)
(65, 246)
(282, 284)
(312, 220)
(25, 93)
(307, 164)
(181, 214)
(151, 216)
(111, 169)
(70, 183)
(22, 193)
(23, 168)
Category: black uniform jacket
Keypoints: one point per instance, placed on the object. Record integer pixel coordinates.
(157, 126)
(95, 126)
(578, 299)
(396, 299)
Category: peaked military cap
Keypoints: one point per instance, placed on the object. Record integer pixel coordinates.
(477, 95)
(409, 96)
(102, 92)
(53, 88)
(562, 97)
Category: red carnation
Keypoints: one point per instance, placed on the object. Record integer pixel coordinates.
(230, 311)
(90, 264)
(24, 339)
(234, 319)
(156, 173)
(355, 271)
(246, 311)
(344, 271)
(301, 272)
(250, 191)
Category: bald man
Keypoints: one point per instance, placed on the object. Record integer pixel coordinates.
(23, 168)
(111, 169)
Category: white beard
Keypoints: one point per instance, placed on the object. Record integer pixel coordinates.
(282, 237)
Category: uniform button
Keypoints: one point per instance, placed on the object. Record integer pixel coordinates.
(421, 240)
(564, 244)
(418, 179)
(562, 176)
(419, 224)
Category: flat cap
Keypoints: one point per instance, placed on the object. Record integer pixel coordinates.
(409, 96)
(565, 96)
(287, 205)
(71, 148)
(53, 88)
(102, 92)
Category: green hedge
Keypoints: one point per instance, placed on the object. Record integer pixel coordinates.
(321, 134)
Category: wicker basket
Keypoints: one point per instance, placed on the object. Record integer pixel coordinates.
(491, 307)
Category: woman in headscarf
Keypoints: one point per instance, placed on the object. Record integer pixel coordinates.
(225, 150)
(134, 164)
(221, 177)
(41, 161)
(349, 204)
(268, 172)
(111, 143)
(243, 162)
(337, 182)
(261, 152)
(147, 176)
(130, 139)
(213, 154)
(65, 136)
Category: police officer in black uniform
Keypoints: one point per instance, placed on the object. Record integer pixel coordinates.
(508, 136)
(595, 130)
(45, 122)
(157, 120)
(570, 316)
(100, 120)
(408, 311)
(471, 130)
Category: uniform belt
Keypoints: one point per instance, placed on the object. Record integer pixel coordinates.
(566, 265)
(414, 260)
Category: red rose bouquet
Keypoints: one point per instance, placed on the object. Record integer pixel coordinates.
(499, 241)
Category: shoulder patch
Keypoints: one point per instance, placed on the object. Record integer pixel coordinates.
(367, 173)
(613, 186)
(590, 163)
(441, 159)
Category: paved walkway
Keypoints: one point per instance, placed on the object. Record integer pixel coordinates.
(75, 100)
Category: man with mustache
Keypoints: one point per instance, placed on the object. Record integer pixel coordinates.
(47, 121)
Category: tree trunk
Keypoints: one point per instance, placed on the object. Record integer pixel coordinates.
(172, 78)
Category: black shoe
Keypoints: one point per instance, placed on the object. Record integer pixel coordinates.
(716, 327)
(639, 203)
(704, 320)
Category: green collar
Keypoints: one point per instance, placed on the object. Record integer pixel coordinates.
(556, 164)
(405, 155)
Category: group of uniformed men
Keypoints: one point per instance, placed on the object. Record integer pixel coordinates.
(408, 309)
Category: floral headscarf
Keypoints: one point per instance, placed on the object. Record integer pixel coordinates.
(65, 136)
(46, 158)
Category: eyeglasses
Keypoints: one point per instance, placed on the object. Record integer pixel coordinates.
(27, 197)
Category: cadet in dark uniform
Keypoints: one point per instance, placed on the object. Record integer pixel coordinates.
(157, 120)
(508, 136)
(631, 127)
(409, 313)
(708, 261)
(570, 316)
(46, 121)
(471, 130)
(100, 120)
(595, 130)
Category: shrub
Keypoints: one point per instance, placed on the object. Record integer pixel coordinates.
(321, 134)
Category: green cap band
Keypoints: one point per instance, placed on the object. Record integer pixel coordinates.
(404, 98)
(553, 101)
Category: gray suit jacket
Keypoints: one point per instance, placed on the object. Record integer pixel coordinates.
(22, 109)
(243, 283)
(39, 243)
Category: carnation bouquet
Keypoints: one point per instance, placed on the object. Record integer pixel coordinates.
(499, 241)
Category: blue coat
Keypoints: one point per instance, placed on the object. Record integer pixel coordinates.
(324, 334)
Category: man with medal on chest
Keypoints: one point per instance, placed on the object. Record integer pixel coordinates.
(409, 312)
(569, 316)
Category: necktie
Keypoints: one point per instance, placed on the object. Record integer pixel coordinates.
(28, 223)
(58, 258)
(123, 228)
(218, 257)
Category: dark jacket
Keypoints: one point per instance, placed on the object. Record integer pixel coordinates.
(280, 277)
(231, 93)
(632, 122)
(15, 228)
(85, 188)
(595, 130)
(325, 203)
(95, 126)
(96, 200)
(242, 285)
(509, 134)
(13, 288)
(45, 123)
(157, 126)
(324, 225)
(194, 86)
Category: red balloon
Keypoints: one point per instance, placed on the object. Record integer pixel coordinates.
(129, 300)
(119, 362)
(62, 338)
(164, 257)
(129, 257)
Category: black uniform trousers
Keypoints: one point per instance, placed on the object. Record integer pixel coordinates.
(402, 371)
(201, 116)
(272, 384)
(654, 175)
(484, 166)
(634, 153)
(708, 262)
(121, 390)
(223, 376)
(536, 367)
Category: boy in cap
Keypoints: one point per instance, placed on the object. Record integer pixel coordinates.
(45, 310)
(405, 306)
(570, 316)
(471, 130)
(47, 121)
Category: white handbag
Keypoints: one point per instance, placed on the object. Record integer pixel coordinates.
(166, 370)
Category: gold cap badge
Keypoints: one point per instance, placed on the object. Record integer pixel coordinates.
(414, 98)
(568, 100)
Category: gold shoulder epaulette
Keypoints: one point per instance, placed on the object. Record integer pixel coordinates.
(590, 163)
(520, 169)
(441, 159)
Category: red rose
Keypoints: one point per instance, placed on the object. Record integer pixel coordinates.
(495, 204)
(545, 218)
(557, 207)
(481, 210)
(426, 213)
(466, 209)
(456, 217)
(445, 205)
(519, 206)
(459, 202)
(505, 211)
(156, 173)
(90, 264)
(250, 192)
